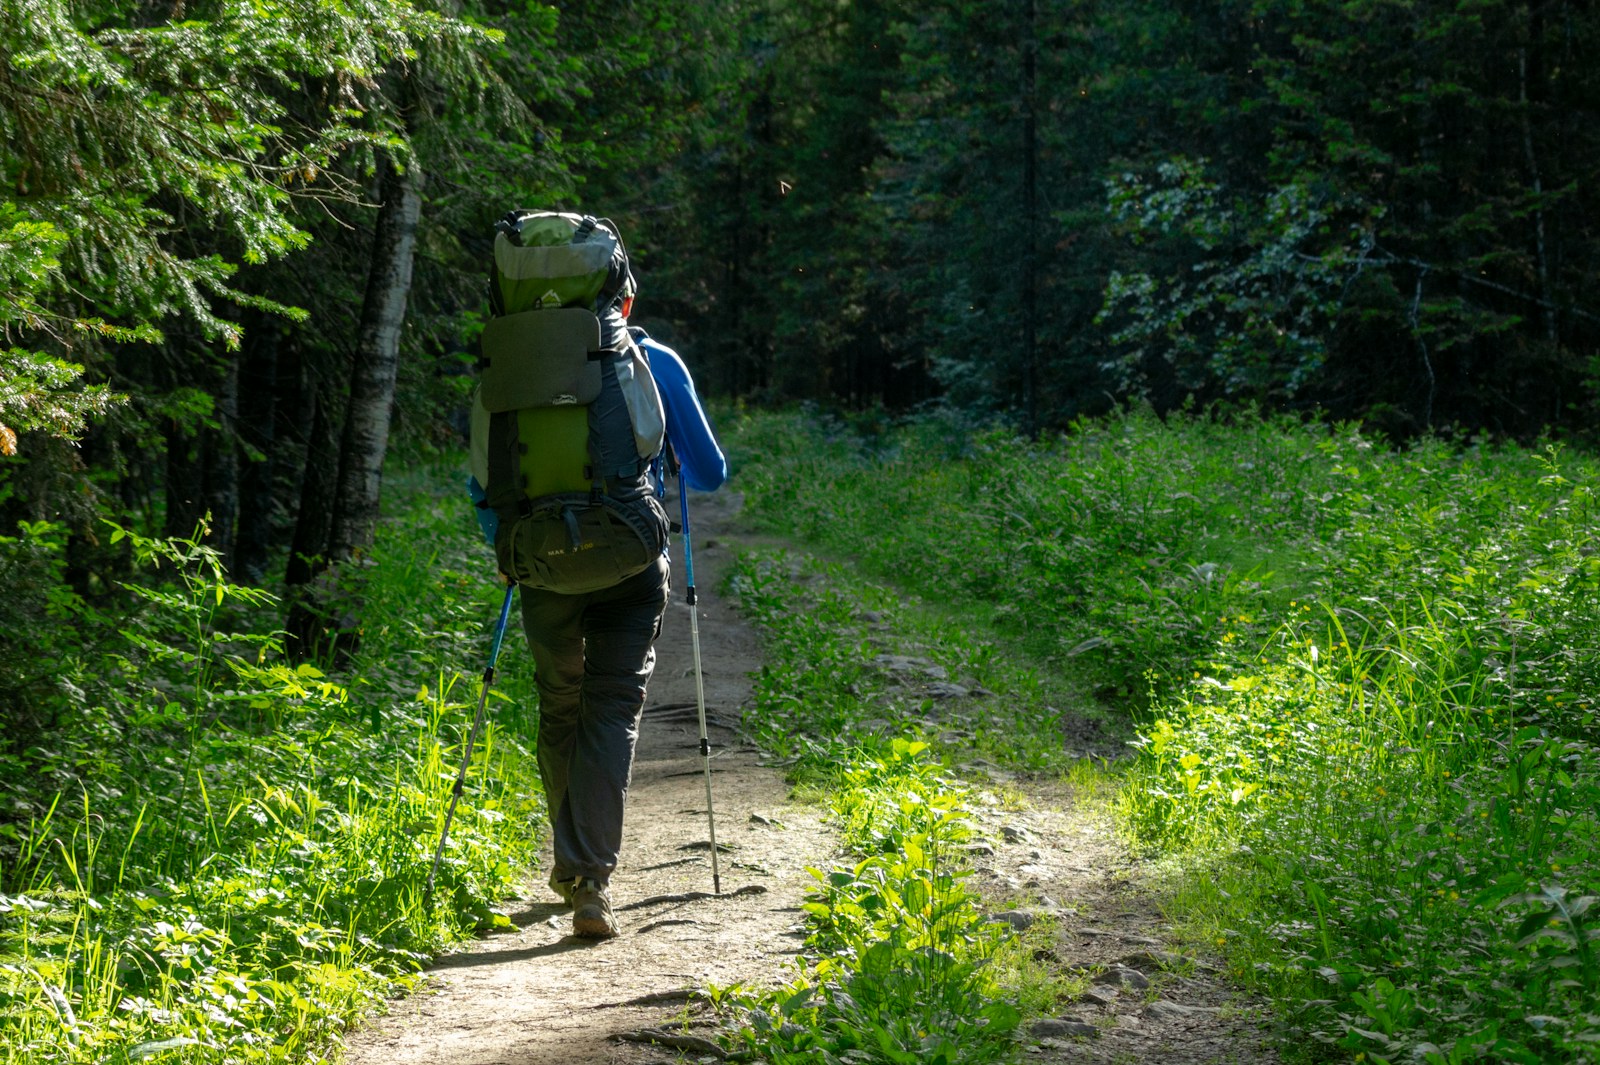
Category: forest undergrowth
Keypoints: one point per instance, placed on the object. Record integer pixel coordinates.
(1358, 681)
(212, 855)
(902, 962)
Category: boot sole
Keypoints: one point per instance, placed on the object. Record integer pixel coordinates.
(593, 927)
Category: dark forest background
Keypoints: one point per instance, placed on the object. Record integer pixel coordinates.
(243, 249)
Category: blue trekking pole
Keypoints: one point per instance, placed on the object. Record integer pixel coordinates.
(472, 738)
(699, 677)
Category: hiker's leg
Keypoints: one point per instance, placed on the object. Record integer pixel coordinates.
(554, 626)
(620, 626)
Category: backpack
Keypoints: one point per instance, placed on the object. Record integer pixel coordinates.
(567, 419)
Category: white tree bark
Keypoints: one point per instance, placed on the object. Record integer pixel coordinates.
(377, 358)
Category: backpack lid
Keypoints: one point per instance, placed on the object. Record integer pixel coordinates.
(546, 259)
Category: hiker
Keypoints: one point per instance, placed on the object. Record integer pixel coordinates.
(567, 426)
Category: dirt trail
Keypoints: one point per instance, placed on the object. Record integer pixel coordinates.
(539, 996)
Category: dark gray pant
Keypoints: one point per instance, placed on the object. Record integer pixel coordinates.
(593, 654)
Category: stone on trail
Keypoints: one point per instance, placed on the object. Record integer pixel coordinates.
(1118, 974)
(1104, 996)
(1020, 920)
(1062, 1027)
(1162, 1010)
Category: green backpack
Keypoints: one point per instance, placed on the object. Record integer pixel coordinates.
(567, 419)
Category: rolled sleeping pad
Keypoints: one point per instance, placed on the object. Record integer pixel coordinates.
(704, 467)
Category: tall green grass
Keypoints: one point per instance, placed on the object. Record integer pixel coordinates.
(1129, 547)
(897, 959)
(1362, 681)
(217, 857)
(1402, 775)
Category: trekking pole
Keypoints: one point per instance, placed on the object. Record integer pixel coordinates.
(699, 677)
(472, 737)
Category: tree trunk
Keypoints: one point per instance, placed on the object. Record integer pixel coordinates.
(1030, 221)
(308, 553)
(221, 458)
(338, 513)
(309, 618)
(377, 359)
(258, 386)
(184, 481)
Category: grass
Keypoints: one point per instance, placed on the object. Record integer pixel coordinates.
(1361, 679)
(896, 954)
(900, 962)
(218, 857)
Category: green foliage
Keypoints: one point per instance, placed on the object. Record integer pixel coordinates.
(1248, 312)
(1368, 747)
(1095, 549)
(897, 945)
(220, 857)
(120, 130)
(1408, 776)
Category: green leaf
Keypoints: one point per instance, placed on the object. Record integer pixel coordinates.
(140, 1051)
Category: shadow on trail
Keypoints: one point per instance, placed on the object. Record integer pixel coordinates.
(476, 958)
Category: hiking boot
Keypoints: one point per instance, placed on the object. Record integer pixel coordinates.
(562, 887)
(591, 910)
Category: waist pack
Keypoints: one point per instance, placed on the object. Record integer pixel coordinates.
(575, 543)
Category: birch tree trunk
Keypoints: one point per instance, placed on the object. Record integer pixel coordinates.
(324, 610)
(377, 358)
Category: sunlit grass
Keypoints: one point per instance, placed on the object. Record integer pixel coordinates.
(1365, 681)
(236, 867)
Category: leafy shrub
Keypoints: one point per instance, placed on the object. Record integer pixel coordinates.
(1115, 548)
(899, 944)
(1364, 677)
(223, 857)
(1405, 774)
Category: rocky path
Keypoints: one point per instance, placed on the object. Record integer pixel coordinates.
(540, 996)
